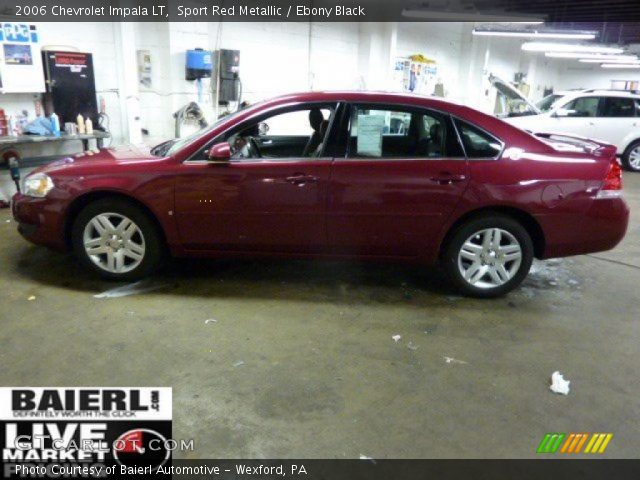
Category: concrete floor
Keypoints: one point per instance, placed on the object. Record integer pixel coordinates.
(322, 377)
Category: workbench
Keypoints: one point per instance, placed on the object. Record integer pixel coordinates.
(34, 139)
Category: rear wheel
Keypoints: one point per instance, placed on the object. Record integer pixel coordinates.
(631, 157)
(488, 256)
(117, 240)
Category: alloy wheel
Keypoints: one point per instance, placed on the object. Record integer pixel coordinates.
(634, 158)
(114, 242)
(489, 258)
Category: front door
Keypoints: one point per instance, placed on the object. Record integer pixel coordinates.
(263, 200)
(577, 117)
(402, 177)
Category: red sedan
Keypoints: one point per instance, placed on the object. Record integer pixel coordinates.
(339, 174)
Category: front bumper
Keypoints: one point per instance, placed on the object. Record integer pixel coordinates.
(40, 220)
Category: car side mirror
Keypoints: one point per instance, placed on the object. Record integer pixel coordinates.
(563, 112)
(219, 153)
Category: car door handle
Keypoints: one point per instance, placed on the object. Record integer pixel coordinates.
(301, 179)
(446, 178)
(266, 142)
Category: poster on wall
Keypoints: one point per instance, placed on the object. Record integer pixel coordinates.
(21, 63)
(415, 74)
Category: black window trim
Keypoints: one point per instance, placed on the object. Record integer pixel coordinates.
(475, 125)
(276, 110)
(349, 109)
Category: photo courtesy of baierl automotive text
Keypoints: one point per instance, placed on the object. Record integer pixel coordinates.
(315, 239)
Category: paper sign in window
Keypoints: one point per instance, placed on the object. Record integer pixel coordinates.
(370, 129)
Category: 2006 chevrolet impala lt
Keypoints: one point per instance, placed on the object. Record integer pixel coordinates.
(337, 174)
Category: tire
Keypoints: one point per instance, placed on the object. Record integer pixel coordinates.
(127, 247)
(631, 157)
(481, 261)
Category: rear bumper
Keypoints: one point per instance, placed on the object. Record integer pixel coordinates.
(39, 221)
(602, 228)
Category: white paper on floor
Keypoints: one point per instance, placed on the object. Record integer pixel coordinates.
(396, 338)
(559, 384)
(210, 320)
(454, 360)
(141, 286)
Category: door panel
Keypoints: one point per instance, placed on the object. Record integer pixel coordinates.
(391, 207)
(259, 206)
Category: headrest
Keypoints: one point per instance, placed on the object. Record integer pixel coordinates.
(315, 118)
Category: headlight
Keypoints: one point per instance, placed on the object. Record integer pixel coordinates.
(37, 185)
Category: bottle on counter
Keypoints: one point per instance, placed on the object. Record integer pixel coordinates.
(88, 127)
(4, 124)
(55, 124)
(80, 122)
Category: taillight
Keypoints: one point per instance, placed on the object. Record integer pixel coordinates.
(612, 184)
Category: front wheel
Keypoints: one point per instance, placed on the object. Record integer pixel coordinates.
(631, 157)
(488, 256)
(117, 240)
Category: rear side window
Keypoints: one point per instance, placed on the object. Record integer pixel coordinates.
(583, 107)
(403, 134)
(619, 107)
(478, 143)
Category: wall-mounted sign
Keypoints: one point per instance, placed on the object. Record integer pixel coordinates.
(20, 59)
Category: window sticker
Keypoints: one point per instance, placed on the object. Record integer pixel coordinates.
(370, 128)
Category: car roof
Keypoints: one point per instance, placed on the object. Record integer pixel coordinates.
(364, 96)
(604, 93)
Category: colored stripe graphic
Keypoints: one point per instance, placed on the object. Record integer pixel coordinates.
(551, 442)
(573, 443)
(598, 443)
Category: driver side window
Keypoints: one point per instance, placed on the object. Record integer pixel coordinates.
(292, 134)
(583, 107)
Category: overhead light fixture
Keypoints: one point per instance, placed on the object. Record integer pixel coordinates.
(609, 60)
(471, 16)
(589, 56)
(626, 66)
(568, 47)
(567, 35)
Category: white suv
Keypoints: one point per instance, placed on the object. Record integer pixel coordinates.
(608, 115)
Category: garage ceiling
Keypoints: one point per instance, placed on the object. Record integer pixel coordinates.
(616, 20)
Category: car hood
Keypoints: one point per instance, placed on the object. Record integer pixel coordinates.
(106, 156)
(511, 92)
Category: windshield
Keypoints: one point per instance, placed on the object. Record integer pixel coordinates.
(547, 102)
(172, 146)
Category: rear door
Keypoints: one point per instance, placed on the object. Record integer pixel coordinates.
(617, 118)
(402, 176)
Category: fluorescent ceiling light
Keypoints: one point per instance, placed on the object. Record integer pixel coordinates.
(590, 56)
(627, 66)
(471, 16)
(535, 34)
(609, 60)
(568, 47)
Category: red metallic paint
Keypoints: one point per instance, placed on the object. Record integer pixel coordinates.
(339, 207)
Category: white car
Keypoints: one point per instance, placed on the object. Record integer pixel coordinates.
(607, 115)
